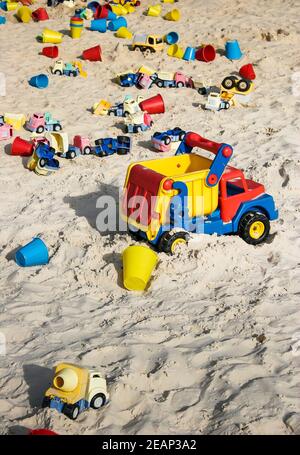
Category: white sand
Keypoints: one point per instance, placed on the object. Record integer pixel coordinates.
(183, 357)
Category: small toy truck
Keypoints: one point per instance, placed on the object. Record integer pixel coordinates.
(38, 123)
(177, 79)
(215, 102)
(163, 141)
(108, 146)
(6, 131)
(191, 193)
(129, 79)
(147, 44)
(138, 122)
(42, 161)
(128, 107)
(66, 69)
(75, 389)
(237, 85)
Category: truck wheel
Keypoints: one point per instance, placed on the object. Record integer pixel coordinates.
(87, 150)
(42, 162)
(122, 151)
(169, 241)
(226, 105)
(58, 72)
(254, 228)
(98, 401)
(202, 91)
(138, 129)
(179, 84)
(229, 82)
(146, 52)
(46, 402)
(57, 127)
(167, 140)
(72, 155)
(160, 84)
(40, 129)
(243, 85)
(71, 411)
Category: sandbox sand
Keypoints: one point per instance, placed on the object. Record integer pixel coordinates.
(211, 347)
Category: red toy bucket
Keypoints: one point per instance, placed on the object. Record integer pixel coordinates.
(42, 432)
(50, 51)
(93, 54)
(154, 105)
(206, 53)
(247, 72)
(101, 12)
(20, 147)
(40, 14)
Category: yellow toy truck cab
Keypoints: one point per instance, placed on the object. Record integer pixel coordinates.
(75, 389)
(101, 108)
(147, 43)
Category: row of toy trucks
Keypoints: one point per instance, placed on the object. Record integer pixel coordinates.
(146, 78)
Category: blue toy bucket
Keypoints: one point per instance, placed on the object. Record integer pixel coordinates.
(172, 38)
(39, 81)
(3, 6)
(232, 50)
(2, 20)
(93, 6)
(189, 54)
(111, 16)
(34, 253)
(117, 23)
(98, 25)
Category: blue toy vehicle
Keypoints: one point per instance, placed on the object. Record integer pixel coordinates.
(45, 155)
(108, 146)
(129, 80)
(117, 110)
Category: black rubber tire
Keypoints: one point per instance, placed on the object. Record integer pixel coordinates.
(122, 151)
(42, 162)
(160, 84)
(146, 52)
(167, 140)
(181, 136)
(87, 150)
(138, 129)
(46, 402)
(167, 240)
(40, 129)
(95, 400)
(202, 91)
(180, 84)
(226, 105)
(243, 85)
(58, 72)
(71, 411)
(111, 113)
(156, 134)
(245, 223)
(57, 127)
(72, 155)
(229, 82)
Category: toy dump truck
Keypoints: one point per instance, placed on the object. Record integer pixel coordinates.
(108, 146)
(166, 199)
(147, 44)
(75, 389)
(43, 122)
(43, 161)
(67, 69)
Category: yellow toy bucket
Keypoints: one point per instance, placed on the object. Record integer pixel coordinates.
(11, 6)
(154, 10)
(173, 15)
(175, 51)
(138, 265)
(15, 120)
(123, 32)
(51, 36)
(24, 14)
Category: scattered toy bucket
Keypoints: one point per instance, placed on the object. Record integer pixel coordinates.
(15, 120)
(76, 26)
(20, 147)
(138, 265)
(11, 6)
(93, 54)
(123, 32)
(154, 10)
(232, 50)
(24, 14)
(50, 51)
(189, 54)
(175, 51)
(154, 105)
(119, 10)
(51, 36)
(34, 253)
(42, 432)
(173, 15)
(39, 81)
(206, 53)
(99, 25)
(171, 38)
(40, 14)
(93, 6)
(117, 23)
(247, 72)
(2, 20)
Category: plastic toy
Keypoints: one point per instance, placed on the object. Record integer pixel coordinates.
(93, 54)
(154, 10)
(43, 122)
(201, 87)
(108, 146)
(147, 44)
(15, 120)
(68, 69)
(99, 25)
(215, 102)
(171, 38)
(173, 15)
(2, 20)
(138, 122)
(177, 79)
(40, 81)
(101, 108)
(175, 51)
(39, 15)
(163, 141)
(32, 254)
(76, 27)
(58, 141)
(247, 72)
(138, 265)
(20, 147)
(154, 105)
(115, 24)
(189, 54)
(83, 144)
(24, 14)
(232, 50)
(42, 161)
(124, 33)
(206, 53)
(235, 85)
(230, 203)
(6, 131)
(51, 36)
(50, 51)
(42, 432)
(128, 107)
(75, 389)
(129, 79)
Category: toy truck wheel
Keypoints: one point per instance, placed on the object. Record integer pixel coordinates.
(46, 402)
(169, 241)
(229, 82)
(202, 91)
(71, 154)
(40, 129)
(42, 162)
(226, 105)
(87, 150)
(58, 72)
(243, 85)
(138, 129)
(254, 228)
(146, 52)
(122, 151)
(167, 140)
(98, 401)
(160, 84)
(180, 84)
(57, 127)
(71, 411)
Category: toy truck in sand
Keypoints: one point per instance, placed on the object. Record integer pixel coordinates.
(42, 122)
(166, 199)
(75, 389)
(147, 44)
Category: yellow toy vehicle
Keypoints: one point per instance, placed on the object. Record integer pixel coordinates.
(75, 389)
(236, 85)
(147, 44)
